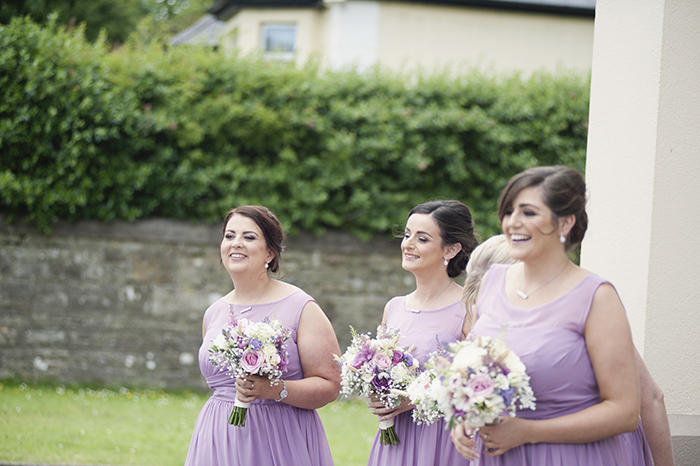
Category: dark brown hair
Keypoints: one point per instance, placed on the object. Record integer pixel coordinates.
(268, 224)
(563, 191)
(456, 226)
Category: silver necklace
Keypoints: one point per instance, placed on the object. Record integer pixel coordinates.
(432, 300)
(524, 295)
(235, 295)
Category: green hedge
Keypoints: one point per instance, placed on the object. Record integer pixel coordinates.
(88, 133)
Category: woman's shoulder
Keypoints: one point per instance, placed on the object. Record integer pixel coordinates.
(395, 301)
(495, 274)
(215, 308)
(592, 276)
(286, 292)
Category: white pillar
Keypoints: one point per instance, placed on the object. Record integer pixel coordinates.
(643, 174)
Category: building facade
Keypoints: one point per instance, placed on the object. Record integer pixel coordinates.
(409, 35)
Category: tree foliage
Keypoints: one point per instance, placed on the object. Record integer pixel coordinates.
(189, 133)
(118, 19)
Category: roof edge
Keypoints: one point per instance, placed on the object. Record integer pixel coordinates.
(224, 9)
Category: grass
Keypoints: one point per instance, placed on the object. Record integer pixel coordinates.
(56, 424)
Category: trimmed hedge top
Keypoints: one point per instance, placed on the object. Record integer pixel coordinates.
(188, 133)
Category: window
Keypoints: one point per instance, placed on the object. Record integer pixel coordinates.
(279, 40)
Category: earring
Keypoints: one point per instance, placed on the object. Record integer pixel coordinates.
(267, 264)
(562, 238)
(446, 261)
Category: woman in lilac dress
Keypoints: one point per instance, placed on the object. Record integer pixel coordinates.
(495, 250)
(436, 246)
(282, 426)
(569, 328)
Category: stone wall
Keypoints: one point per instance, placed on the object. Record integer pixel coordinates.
(122, 303)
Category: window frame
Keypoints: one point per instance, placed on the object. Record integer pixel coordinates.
(284, 55)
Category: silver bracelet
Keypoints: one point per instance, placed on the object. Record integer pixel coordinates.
(283, 393)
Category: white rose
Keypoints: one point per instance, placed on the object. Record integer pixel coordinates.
(269, 350)
(399, 372)
(220, 341)
(262, 330)
(469, 356)
(513, 363)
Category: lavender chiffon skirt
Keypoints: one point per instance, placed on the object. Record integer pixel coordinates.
(420, 445)
(629, 449)
(275, 434)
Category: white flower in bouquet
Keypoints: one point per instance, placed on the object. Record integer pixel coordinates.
(220, 342)
(481, 380)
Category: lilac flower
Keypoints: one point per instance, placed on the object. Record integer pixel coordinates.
(283, 363)
(362, 357)
(508, 395)
(255, 344)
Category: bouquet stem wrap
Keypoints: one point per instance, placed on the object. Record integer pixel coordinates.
(238, 413)
(387, 435)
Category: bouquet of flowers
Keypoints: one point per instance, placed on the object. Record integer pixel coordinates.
(426, 410)
(378, 367)
(479, 380)
(251, 348)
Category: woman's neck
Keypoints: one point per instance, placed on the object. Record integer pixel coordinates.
(429, 285)
(247, 288)
(538, 271)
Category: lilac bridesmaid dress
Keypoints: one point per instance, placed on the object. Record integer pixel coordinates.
(549, 340)
(421, 445)
(275, 434)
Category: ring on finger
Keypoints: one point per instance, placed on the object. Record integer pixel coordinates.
(252, 385)
(486, 437)
(490, 450)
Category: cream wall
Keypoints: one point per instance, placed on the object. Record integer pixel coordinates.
(406, 36)
(643, 173)
(244, 29)
(435, 36)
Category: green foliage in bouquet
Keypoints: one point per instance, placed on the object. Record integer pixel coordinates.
(189, 132)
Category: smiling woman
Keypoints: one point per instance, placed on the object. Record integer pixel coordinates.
(437, 242)
(250, 250)
(569, 328)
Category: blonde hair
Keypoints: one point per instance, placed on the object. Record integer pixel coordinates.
(492, 251)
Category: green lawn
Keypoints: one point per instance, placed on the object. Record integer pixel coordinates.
(80, 425)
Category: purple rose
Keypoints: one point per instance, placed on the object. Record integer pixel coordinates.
(251, 361)
(380, 383)
(382, 361)
(481, 385)
(396, 358)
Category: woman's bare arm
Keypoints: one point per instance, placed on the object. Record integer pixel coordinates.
(654, 418)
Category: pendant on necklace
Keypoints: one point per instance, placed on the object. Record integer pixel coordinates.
(247, 309)
(521, 294)
(415, 311)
